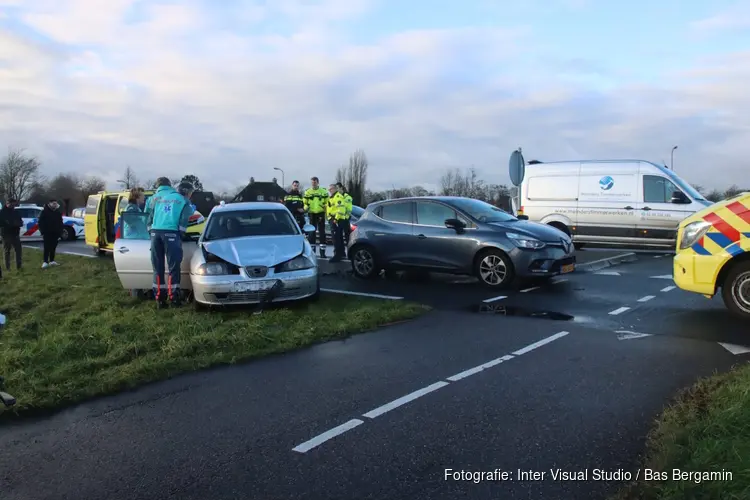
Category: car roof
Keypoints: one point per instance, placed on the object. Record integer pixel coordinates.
(248, 206)
(416, 198)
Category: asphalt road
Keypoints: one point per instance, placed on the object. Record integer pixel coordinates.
(458, 389)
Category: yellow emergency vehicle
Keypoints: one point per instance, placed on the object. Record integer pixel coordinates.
(101, 219)
(713, 251)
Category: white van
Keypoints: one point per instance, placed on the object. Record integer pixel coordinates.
(614, 202)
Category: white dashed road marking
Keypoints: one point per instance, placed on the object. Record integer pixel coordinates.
(646, 298)
(530, 289)
(663, 277)
(493, 299)
(627, 335)
(563, 280)
(351, 424)
(404, 399)
(361, 294)
(608, 273)
(619, 310)
(329, 434)
(668, 289)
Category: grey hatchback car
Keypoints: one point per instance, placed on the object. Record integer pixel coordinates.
(458, 236)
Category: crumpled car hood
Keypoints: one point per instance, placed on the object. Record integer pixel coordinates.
(265, 251)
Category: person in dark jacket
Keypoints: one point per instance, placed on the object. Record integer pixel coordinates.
(10, 229)
(296, 204)
(51, 226)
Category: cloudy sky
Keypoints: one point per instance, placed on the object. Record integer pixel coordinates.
(230, 89)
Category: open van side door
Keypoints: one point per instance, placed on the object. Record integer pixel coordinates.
(92, 220)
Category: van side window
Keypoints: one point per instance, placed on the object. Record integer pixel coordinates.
(92, 203)
(658, 189)
(123, 204)
(397, 212)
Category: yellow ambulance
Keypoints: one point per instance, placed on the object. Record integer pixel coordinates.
(713, 251)
(101, 219)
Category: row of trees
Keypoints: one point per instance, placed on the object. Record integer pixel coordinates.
(20, 179)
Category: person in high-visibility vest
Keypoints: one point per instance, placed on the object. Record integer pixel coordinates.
(349, 206)
(315, 201)
(294, 202)
(339, 216)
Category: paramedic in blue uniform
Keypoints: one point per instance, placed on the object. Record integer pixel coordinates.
(168, 213)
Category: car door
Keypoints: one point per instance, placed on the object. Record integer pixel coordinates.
(436, 246)
(132, 254)
(658, 216)
(91, 220)
(394, 236)
(30, 228)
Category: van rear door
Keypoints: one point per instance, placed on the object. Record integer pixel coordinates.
(607, 203)
(91, 220)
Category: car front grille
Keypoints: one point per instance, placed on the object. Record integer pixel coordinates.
(256, 271)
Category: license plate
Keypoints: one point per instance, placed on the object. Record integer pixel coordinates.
(568, 268)
(254, 286)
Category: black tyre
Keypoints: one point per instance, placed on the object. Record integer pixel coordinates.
(578, 246)
(736, 290)
(364, 262)
(68, 234)
(494, 269)
(560, 226)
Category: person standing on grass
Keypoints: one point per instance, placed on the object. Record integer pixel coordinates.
(10, 229)
(51, 226)
(168, 212)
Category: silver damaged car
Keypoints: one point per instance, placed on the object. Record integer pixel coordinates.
(249, 253)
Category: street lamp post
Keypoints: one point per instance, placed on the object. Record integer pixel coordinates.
(283, 180)
(671, 161)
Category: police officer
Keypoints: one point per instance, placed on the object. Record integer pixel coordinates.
(294, 202)
(349, 202)
(169, 211)
(339, 221)
(315, 201)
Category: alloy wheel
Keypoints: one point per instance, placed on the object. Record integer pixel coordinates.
(492, 270)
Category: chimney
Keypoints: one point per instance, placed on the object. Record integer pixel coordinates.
(252, 180)
(275, 181)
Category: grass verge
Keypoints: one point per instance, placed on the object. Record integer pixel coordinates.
(73, 333)
(707, 429)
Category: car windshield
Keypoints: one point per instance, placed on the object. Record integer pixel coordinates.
(690, 190)
(248, 223)
(482, 211)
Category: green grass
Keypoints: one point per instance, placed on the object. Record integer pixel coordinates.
(73, 332)
(707, 429)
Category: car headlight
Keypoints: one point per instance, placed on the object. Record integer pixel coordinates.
(523, 241)
(693, 232)
(296, 264)
(212, 269)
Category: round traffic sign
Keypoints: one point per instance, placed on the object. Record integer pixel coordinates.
(516, 167)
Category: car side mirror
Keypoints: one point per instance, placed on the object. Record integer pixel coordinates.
(522, 217)
(309, 228)
(679, 197)
(455, 224)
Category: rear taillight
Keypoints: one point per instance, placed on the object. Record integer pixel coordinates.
(520, 210)
(353, 226)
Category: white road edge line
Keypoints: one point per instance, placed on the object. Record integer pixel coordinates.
(329, 434)
(734, 348)
(540, 343)
(646, 298)
(404, 399)
(619, 310)
(362, 294)
(480, 368)
(668, 289)
(493, 299)
(65, 252)
(530, 289)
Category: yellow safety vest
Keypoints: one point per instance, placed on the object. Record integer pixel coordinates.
(349, 204)
(337, 207)
(316, 200)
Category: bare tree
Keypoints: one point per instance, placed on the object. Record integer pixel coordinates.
(18, 174)
(89, 186)
(192, 179)
(732, 191)
(456, 182)
(129, 179)
(354, 176)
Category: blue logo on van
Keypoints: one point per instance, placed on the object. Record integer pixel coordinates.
(606, 183)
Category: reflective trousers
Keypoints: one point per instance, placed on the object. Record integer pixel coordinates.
(166, 245)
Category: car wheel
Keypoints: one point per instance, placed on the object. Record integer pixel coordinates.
(561, 227)
(736, 290)
(364, 262)
(578, 246)
(494, 269)
(68, 234)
